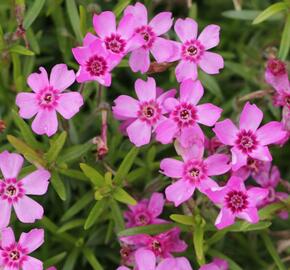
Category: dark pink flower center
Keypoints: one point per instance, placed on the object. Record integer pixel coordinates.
(246, 141)
(194, 171)
(48, 98)
(149, 112)
(14, 256)
(115, 43)
(156, 247)
(192, 50)
(11, 190)
(97, 66)
(287, 101)
(184, 114)
(253, 164)
(142, 219)
(236, 201)
(148, 35)
(276, 67)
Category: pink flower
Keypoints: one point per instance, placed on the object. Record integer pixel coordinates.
(13, 192)
(15, 255)
(193, 172)
(236, 201)
(248, 140)
(118, 40)
(141, 115)
(217, 264)
(193, 50)
(146, 211)
(48, 98)
(51, 268)
(96, 62)
(160, 48)
(146, 260)
(162, 244)
(185, 114)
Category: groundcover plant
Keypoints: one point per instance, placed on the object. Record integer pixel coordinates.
(149, 135)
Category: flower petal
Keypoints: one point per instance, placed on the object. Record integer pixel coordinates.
(82, 54)
(208, 114)
(126, 26)
(251, 117)
(88, 39)
(38, 81)
(28, 210)
(32, 263)
(105, 23)
(226, 131)
(166, 131)
(61, 78)
(162, 49)
(250, 214)
(186, 29)
(261, 153)
(186, 70)
(211, 63)
(5, 213)
(145, 259)
(32, 240)
(27, 104)
(125, 107)
(69, 104)
(139, 12)
(156, 204)
(146, 90)
(191, 91)
(217, 164)
(257, 195)
(45, 122)
(224, 219)
(210, 36)
(172, 167)
(36, 183)
(7, 237)
(239, 159)
(10, 164)
(161, 23)
(139, 133)
(270, 133)
(139, 60)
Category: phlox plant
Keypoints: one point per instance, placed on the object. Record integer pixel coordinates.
(140, 136)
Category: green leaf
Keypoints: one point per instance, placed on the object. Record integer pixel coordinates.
(83, 20)
(198, 239)
(244, 226)
(269, 12)
(74, 18)
(122, 196)
(269, 210)
(71, 259)
(122, 4)
(78, 206)
(149, 229)
(55, 147)
(247, 15)
(92, 259)
(211, 84)
(117, 215)
(126, 165)
(71, 225)
(74, 174)
(183, 219)
(58, 185)
(32, 13)
(55, 259)
(285, 41)
(26, 151)
(272, 250)
(17, 73)
(95, 213)
(96, 178)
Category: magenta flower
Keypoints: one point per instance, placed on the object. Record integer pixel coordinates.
(216, 264)
(146, 260)
(146, 211)
(185, 114)
(236, 201)
(163, 245)
(160, 48)
(13, 192)
(141, 115)
(118, 40)
(96, 62)
(15, 256)
(193, 50)
(248, 140)
(48, 98)
(193, 172)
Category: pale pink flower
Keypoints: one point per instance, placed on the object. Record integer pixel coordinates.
(48, 98)
(185, 114)
(193, 51)
(216, 264)
(146, 211)
(51, 268)
(13, 192)
(236, 201)
(96, 62)
(146, 260)
(160, 48)
(193, 172)
(15, 255)
(141, 115)
(163, 244)
(249, 140)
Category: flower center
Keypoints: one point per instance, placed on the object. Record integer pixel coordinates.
(142, 219)
(156, 247)
(14, 255)
(97, 66)
(276, 67)
(194, 171)
(184, 115)
(149, 112)
(115, 43)
(48, 98)
(11, 190)
(287, 101)
(192, 50)
(246, 141)
(148, 35)
(236, 201)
